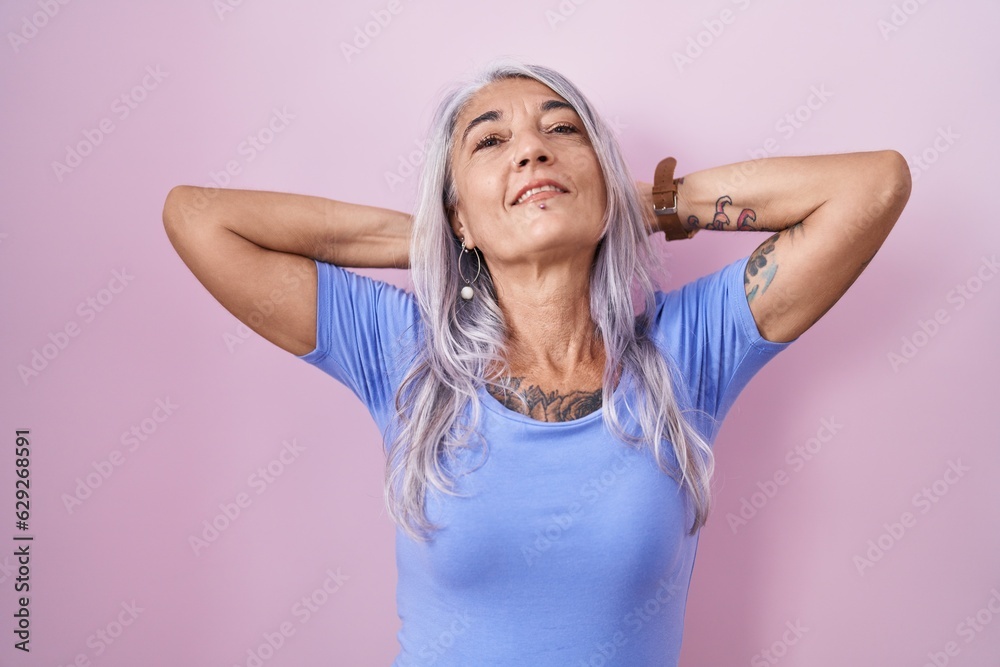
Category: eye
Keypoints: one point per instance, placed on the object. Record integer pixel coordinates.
(566, 126)
(482, 142)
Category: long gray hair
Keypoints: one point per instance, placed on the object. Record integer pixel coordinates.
(461, 339)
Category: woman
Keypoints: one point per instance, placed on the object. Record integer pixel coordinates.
(548, 451)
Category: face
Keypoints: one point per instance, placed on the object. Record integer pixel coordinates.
(513, 133)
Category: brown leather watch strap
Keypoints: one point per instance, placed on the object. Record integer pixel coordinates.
(665, 201)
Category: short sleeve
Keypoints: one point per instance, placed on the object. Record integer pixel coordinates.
(708, 331)
(365, 333)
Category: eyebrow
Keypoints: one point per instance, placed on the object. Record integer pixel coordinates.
(493, 115)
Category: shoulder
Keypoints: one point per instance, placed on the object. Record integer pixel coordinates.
(379, 302)
(702, 300)
(714, 304)
(367, 332)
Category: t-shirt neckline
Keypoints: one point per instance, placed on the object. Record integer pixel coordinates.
(493, 405)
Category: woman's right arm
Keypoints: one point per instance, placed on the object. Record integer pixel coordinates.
(254, 250)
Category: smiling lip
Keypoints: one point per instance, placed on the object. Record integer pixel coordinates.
(538, 184)
(547, 194)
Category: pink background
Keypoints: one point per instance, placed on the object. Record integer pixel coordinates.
(161, 336)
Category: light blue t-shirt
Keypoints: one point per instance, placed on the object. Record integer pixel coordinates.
(571, 549)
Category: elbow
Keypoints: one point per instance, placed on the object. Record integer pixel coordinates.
(176, 207)
(177, 213)
(888, 189)
(171, 205)
(897, 177)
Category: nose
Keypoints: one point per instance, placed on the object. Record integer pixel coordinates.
(531, 147)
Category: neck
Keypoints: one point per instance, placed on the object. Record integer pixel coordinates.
(550, 334)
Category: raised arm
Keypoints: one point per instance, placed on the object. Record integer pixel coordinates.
(830, 215)
(254, 250)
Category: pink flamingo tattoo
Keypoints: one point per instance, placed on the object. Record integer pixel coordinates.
(747, 216)
(720, 220)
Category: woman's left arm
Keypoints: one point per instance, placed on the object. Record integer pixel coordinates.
(830, 215)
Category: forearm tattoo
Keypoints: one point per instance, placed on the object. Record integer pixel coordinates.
(721, 220)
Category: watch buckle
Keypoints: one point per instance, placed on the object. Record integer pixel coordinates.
(669, 210)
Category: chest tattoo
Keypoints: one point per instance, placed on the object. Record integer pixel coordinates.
(548, 406)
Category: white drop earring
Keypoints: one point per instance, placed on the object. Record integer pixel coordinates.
(467, 291)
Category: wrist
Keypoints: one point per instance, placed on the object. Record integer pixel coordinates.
(688, 222)
(646, 203)
(666, 202)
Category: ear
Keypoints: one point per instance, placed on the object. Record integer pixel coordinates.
(458, 226)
